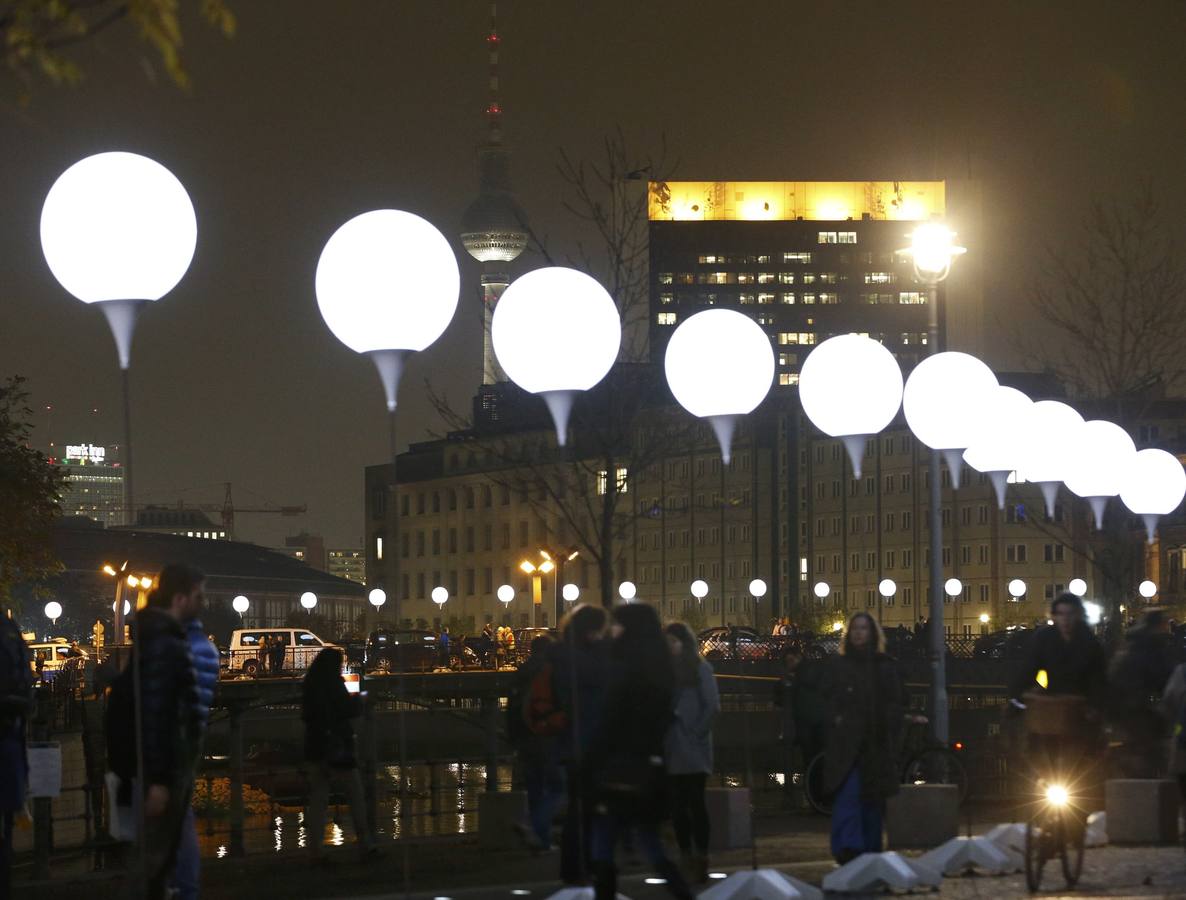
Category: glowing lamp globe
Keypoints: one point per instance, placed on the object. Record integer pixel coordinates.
(1093, 613)
(1147, 589)
(1050, 446)
(1077, 586)
(53, 610)
(997, 448)
(1097, 470)
(953, 587)
(118, 229)
(308, 600)
(570, 593)
(439, 595)
(556, 332)
(377, 597)
(506, 593)
(757, 588)
(887, 588)
(932, 248)
(387, 285)
(821, 589)
(1153, 486)
(240, 604)
(127, 607)
(699, 589)
(627, 591)
(850, 387)
(720, 366)
(1016, 588)
(944, 402)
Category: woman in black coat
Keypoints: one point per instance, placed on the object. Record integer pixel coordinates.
(866, 709)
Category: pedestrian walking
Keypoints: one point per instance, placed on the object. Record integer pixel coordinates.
(1138, 673)
(16, 695)
(535, 722)
(443, 646)
(276, 653)
(866, 708)
(799, 696)
(626, 756)
(688, 748)
(328, 709)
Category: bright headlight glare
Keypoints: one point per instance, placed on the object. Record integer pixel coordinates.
(1056, 795)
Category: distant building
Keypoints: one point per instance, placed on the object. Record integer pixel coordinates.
(181, 521)
(94, 482)
(308, 548)
(349, 564)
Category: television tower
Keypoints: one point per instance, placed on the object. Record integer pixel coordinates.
(492, 227)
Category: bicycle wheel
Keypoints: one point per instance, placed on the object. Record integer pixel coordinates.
(937, 765)
(813, 786)
(1035, 854)
(1074, 837)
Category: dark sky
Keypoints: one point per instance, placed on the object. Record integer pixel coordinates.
(318, 111)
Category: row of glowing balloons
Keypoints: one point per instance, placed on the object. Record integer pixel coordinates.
(851, 387)
(119, 228)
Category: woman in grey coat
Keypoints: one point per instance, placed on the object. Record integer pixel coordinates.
(688, 748)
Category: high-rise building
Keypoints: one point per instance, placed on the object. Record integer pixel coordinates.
(808, 260)
(94, 484)
(347, 563)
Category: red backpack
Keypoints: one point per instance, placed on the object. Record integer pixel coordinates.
(542, 712)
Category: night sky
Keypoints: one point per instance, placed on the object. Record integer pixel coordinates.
(318, 111)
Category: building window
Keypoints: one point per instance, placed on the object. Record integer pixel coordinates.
(830, 299)
(765, 299)
(889, 521)
(788, 378)
(1054, 552)
(807, 299)
(966, 555)
(846, 237)
(665, 318)
(891, 557)
(799, 257)
(984, 554)
(911, 297)
(801, 338)
(788, 359)
(665, 278)
(984, 593)
(826, 237)
(379, 546)
(1016, 553)
(622, 481)
(879, 278)
(787, 299)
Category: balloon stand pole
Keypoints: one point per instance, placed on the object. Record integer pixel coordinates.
(1098, 505)
(1050, 494)
(1150, 526)
(1000, 481)
(121, 317)
(560, 406)
(955, 465)
(855, 445)
(724, 427)
(390, 364)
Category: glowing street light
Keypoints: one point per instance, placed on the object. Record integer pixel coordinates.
(932, 250)
(997, 448)
(1147, 589)
(719, 365)
(837, 626)
(1153, 486)
(1103, 456)
(850, 387)
(627, 591)
(570, 592)
(1016, 588)
(953, 587)
(699, 589)
(984, 618)
(240, 604)
(53, 610)
(556, 333)
(1077, 586)
(1093, 613)
(821, 589)
(309, 600)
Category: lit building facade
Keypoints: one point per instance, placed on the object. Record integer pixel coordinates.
(94, 485)
(347, 563)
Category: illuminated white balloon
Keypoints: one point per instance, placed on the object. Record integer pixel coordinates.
(699, 589)
(1016, 588)
(127, 607)
(1153, 486)
(1105, 454)
(308, 600)
(953, 587)
(944, 402)
(378, 597)
(1147, 589)
(627, 591)
(887, 588)
(821, 589)
(998, 447)
(1077, 586)
(570, 592)
(240, 604)
(440, 595)
(506, 593)
(850, 387)
(556, 332)
(1049, 446)
(387, 285)
(1092, 612)
(719, 366)
(757, 587)
(53, 610)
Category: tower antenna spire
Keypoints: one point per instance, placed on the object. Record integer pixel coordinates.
(494, 107)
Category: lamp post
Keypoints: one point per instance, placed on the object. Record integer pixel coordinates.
(932, 251)
(559, 558)
(571, 593)
(119, 230)
(537, 571)
(440, 596)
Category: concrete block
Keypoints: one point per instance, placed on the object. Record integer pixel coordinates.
(729, 813)
(1141, 811)
(498, 814)
(874, 872)
(762, 884)
(1097, 830)
(922, 816)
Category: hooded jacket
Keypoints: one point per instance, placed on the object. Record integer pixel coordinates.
(168, 692)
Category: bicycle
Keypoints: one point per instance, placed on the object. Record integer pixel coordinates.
(924, 761)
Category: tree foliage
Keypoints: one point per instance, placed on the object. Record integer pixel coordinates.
(30, 490)
(36, 35)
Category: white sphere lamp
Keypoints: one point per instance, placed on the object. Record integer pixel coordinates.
(757, 588)
(505, 594)
(1050, 444)
(377, 597)
(309, 600)
(440, 596)
(699, 589)
(850, 387)
(53, 610)
(997, 449)
(984, 617)
(1016, 588)
(570, 592)
(821, 589)
(1153, 486)
(387, 285)
(627, 591)
(720, 366)
(953, 587)
(1147, 589)
(1105, 453)
(887, 588)
(118, 229)
(556, 332)
(240, 604)
(1077, 586)
(944, 402)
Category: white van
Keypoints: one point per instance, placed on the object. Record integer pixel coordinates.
(300, 647)
(50, 656)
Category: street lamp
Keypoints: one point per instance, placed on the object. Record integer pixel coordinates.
(1147, 589)
(118, 229)
(850, 387)
(997, 448)
(537, 573)
(984, 618)
(1153, 486)
(932, 250)
(53, 610)
(1052, 438)
(309, 601)
(1077, 586)
(556, 332)
(1103, 455)
(627, 591)
(719, 365)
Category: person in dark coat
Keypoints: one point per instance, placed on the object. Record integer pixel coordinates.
(276, 653)
(327, 710)
(626, 755)
(866, 709)
(538, 753)
(16, 702)
(1137, 675)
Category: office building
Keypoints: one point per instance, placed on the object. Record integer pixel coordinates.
(347, 563)
(94, 485)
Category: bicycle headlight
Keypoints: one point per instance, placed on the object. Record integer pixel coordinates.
(1056, 795)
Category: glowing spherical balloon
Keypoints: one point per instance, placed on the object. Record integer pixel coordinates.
(719, 363)
(378, 597)
(699, 589)
(627, 591)
(1016, 588)
(570, 593)
(556, 329)
(308, 600)
(1154, 484)
(1147, 589)
(757, 587)
(945, 397)
(240, 604)
(953, 587)
(821, 589)
(1077, 586)
(53, 610)
(387, 280)
(1101, 459)
(1051, 442)
(1092, 612)
(118, 226)
(506, 593)
(887, 588)
(850, 385)
(127, 607)
(439, 595)
(998, 445)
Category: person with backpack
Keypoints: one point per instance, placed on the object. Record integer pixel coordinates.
(1173, 708)
(688, 747)
(16, 700)
(160, 676)
(536, 721)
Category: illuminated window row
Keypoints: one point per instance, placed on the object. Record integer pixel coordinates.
(837, 237)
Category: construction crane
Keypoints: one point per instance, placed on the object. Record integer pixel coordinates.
(227, 509)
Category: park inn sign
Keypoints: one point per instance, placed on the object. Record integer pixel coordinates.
(86, 453)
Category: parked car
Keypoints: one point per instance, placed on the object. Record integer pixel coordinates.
(48, 657)
(731, 642)
(300, 648)
(403, 650)
(1008, 644)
